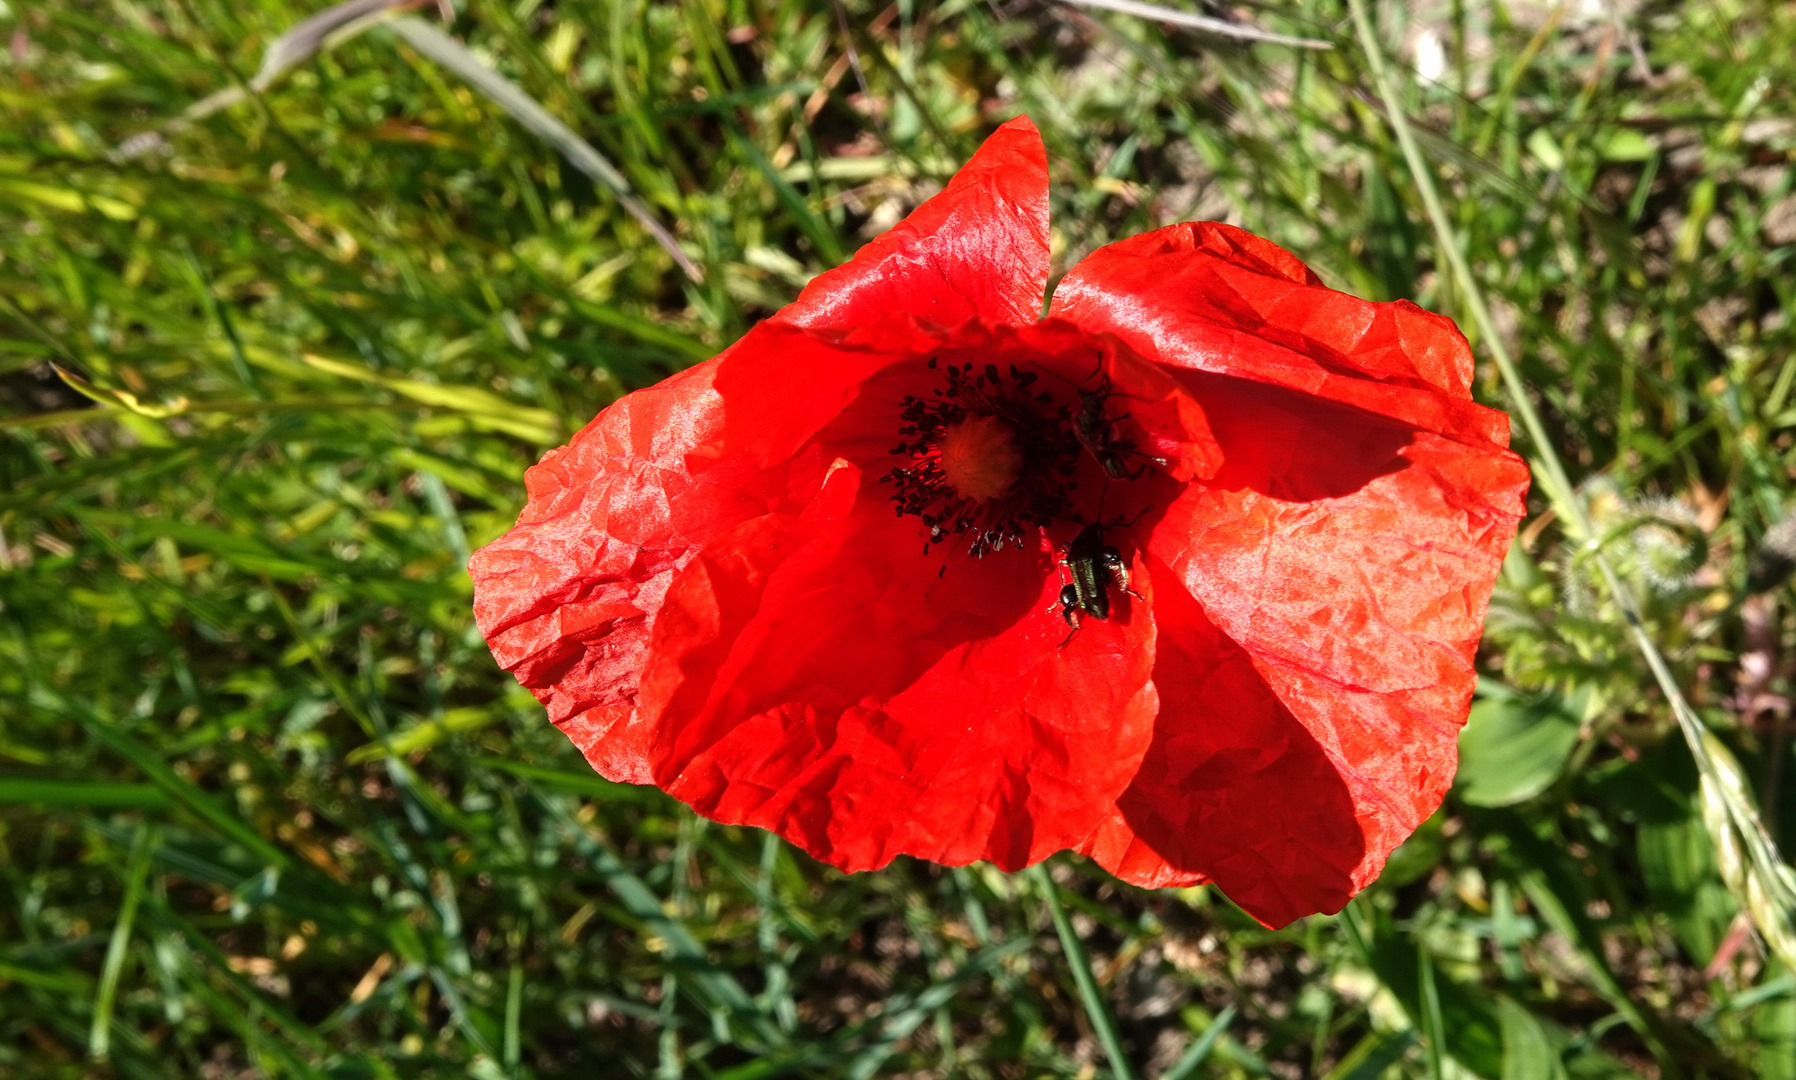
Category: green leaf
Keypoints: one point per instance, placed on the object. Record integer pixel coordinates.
(1528, 1051)
(1624, 144)
(426, 734)
(1513, 748)
(1774, 1028)
(1677, 861)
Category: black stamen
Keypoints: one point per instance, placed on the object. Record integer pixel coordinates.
(1049, 447)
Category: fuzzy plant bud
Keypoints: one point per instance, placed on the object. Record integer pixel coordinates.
(1666, 543)
(1774, 560)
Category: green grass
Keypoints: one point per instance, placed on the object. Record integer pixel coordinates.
(268, 808)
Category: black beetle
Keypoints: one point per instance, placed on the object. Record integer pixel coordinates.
(1096, 429)
(1094, 566)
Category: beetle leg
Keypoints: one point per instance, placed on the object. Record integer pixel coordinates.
(1121, 574)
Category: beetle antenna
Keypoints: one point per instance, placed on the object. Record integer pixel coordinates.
(1080, 386)
(1055, 374)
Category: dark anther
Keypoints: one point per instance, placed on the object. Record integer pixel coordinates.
(1048, 444)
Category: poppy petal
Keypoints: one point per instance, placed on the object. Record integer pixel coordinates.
(1346, 543)
(1210, 297)
(815, 675)
(977, 250)
(782, 384)
(566, 598)
(1233, 788)
(1349, 559)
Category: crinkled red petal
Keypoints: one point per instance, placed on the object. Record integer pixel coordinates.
(1233, 788)
(566, 598)
(977, 250)
(1211, 297)
(813, 674)
(1316, 671)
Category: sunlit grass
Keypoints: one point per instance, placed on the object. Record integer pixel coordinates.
(267, 807)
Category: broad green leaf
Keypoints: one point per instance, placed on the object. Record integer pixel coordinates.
(1513, 748)
(1528, 1051)
(1774, 1027)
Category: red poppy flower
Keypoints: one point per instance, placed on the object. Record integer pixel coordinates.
(1185, 575)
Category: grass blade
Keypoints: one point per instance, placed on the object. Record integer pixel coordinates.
(504, 93)
(1433, 1030)
(1374, 1056)
(191, 798)
(1200, 1050)
(1076, 959)
(99, 1040)
(82, 794)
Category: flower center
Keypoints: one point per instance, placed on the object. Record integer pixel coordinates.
(981, 458)
(985, 458)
